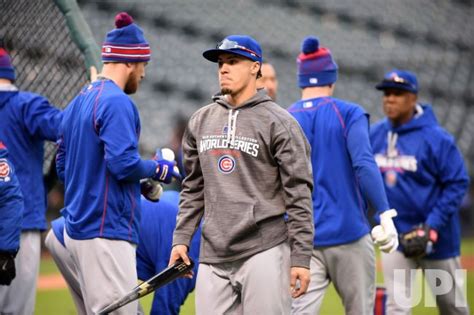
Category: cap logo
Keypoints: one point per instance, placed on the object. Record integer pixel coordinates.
(313, 80)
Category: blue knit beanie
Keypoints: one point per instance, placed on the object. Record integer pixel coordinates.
(126, 42)
(6, 68)
(316, 66)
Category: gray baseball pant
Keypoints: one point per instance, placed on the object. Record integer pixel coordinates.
(259, 284)
(399, 275)
(351, 268)
(106, 271)
(19, 297)
(68, 269)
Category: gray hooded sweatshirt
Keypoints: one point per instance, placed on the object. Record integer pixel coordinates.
(246, 167)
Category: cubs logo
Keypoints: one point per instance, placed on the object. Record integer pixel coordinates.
(4, 170)
(226, 164)
(391, 178)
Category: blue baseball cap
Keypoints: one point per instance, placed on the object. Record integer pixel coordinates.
(241, 45)
(400, 80)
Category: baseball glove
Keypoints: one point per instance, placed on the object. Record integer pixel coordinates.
(419, 241)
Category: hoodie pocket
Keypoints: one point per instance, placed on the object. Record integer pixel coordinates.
(230, 229)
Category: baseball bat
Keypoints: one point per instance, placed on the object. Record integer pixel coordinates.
(157, 281)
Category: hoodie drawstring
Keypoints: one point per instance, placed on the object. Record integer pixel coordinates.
(392, 138)
(231, 127)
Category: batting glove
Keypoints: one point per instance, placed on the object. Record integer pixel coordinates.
(166, 168)
(385, 235)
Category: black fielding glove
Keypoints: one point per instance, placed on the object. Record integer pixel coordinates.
(7, 268)
(419, 241)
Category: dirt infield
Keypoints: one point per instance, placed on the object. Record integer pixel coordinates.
(56, 281)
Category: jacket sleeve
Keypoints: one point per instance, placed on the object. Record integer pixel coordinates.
(117, 126)
(292, 153)
(191, 205)
(11, 207)
(41, 118)
(363, 163)
(453, 179)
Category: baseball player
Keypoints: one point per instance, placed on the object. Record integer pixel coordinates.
(99, 163)
(344, 171)
(268, 80)
(27, 120)
(156, 235)
(425, 179)
(247, 163)
(11, 213)
(156, 232)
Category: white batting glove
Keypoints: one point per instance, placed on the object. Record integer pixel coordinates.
(385, 235)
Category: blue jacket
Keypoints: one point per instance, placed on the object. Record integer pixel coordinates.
(11, 205)
(99, 164)
(344, 169)
(27, 120)
(425, 177)
(153, 252)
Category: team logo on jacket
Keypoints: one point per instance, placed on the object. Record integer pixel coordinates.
(390, 178)
(226, 164)
(4, 171)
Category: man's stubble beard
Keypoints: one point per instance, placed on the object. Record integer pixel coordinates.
(225, 91)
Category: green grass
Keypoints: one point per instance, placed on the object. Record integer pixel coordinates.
(59, 302)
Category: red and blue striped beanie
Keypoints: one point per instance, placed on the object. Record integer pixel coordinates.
(6, 68)
(316, 66)
(125, 43)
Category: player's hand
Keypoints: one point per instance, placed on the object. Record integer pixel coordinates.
(166, 168)
(7, 268)
(299, 281)
(385, 235)
(180, 252)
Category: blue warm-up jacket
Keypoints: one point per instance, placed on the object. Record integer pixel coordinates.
(153, 252)
(11, 204)
(425, 177)
(99, 164)
(344, 170)
(27, 120)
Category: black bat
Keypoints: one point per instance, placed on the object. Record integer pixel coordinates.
(169, 274)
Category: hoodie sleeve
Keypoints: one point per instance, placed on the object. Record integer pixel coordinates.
(11, 205)
(41, 119)
(453, 179)
(191, 205)
(292, 153)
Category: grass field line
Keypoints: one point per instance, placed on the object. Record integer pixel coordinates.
(55, 281)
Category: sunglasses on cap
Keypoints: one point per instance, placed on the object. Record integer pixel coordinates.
(230, 44)
(399, 80)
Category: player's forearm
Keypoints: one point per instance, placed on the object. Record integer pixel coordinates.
(448, 203)
(131, 167)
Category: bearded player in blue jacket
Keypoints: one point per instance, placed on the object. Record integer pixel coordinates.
(99, 163)
(11, 214)
(344, 171)
(27, 120)
(425, 179)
